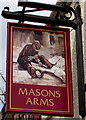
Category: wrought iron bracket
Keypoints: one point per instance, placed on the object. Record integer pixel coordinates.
(80, 65)
(75, 23)
(21, 16)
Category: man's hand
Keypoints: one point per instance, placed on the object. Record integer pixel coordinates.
(35, 57)
(40, 64)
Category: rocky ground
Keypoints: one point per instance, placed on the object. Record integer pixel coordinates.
(22, 77)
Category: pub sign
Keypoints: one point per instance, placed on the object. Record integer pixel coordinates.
(38, 73)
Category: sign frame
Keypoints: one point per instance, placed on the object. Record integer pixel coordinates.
(61, 102)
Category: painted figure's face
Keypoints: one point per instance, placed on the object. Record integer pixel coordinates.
(37, 45)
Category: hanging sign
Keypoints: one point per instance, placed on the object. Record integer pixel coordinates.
(38, 70)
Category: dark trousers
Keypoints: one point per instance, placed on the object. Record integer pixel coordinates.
(26, 64)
